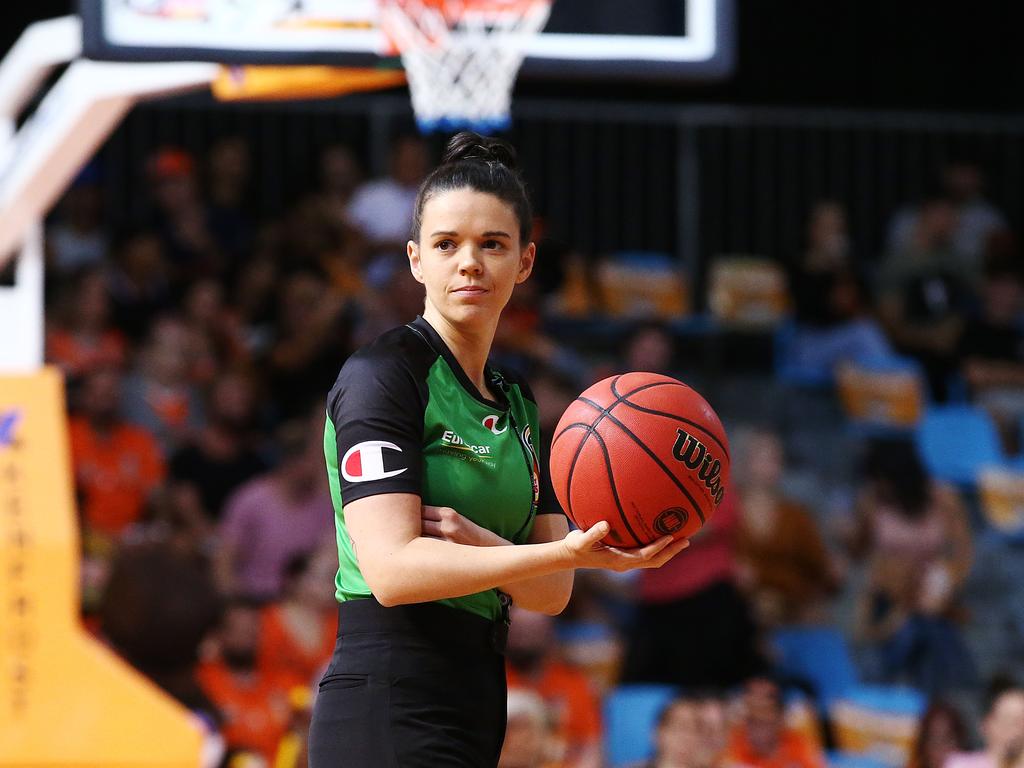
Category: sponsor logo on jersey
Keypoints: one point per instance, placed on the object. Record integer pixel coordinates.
(366, 461)
(491, 422)
(452, 440)
(8, 426)
(695, 455)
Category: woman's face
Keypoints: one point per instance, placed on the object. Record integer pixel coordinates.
(469, 256)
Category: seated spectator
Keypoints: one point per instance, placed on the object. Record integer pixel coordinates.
(650, 347)
(253, 704)
(217, 339)
(275, 517)
(762, 740)
(924, 292)
(223, 455)
(117, 466)
(683, 738)
(160, 395)
(78, 240)
(140, 286)
(297, 634)
(229, 190)
(534, 666)
(696, 589)
(993, 348)
(782, 561)
(81, 338)
(311, 344)
(832, 310)
(382, 209)
(529, 742)
(915, 535)
(941, 733)
(1002, 730)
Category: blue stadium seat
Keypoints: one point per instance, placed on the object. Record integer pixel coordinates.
(819, 656)
(955, 441)
(841, 759)
(630, 712)
(788, 370)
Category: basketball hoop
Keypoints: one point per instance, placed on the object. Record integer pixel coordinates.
(461, 56)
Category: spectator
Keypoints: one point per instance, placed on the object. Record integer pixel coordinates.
(533, 665)
(941, 733)
(382, 209)
(993, 348)
(697, 590)
(762, 740)
(78, 239)
(253, 704)
(924, 291)
(1002, 730)
(311, 344)
(916, 538)
(182, 220)
(650, 348)
(228, 187)
(340, 177)
(275, 517)
(223, 455)
(681, 737)
(139, 283)
(118, 466)
(297, 634)
(782, 560)
(160, 395)
(216, 336)
(81, 339)
(832, 314)
(529, 742)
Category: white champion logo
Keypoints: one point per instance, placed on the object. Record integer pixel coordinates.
(365, 461)
(491, 422)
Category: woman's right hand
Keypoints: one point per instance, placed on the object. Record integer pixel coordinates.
(584, 550)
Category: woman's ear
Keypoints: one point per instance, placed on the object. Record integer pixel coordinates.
(526, 259)
(412, 250)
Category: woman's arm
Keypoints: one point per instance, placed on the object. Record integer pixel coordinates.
(545, 594)
(402, 566)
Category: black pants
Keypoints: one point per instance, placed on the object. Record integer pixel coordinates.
(705, 640)
(415, 685)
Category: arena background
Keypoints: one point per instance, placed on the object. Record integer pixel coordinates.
(757, 234)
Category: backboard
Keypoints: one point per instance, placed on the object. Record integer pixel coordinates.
(599, 39)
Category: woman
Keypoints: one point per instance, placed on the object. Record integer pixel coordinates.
(432, 459)
(941, 733)
(916, 537)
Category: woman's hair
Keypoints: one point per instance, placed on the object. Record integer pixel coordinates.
(472, 161)
(896, 469)
(937, 710)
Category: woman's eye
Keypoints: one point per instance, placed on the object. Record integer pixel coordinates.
(445, 245)
(492, 245)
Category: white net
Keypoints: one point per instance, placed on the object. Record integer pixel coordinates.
(462, 56)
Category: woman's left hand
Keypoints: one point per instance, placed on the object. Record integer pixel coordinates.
(448, 525)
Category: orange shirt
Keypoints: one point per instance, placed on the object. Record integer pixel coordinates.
(281, 653)
(794, 751)
(568, 694)
(254, 707)
(78, 356)
(115, 473)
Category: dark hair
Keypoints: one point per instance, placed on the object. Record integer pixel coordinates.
(483, 164)
(895, 465)
(936, 710)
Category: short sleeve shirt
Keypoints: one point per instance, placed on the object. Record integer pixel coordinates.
(403, 417)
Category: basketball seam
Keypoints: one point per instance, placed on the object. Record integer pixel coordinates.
(649, 452)
(615, 492)
(674, 417)
(576, 456)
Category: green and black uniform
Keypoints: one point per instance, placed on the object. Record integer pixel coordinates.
(422, 684)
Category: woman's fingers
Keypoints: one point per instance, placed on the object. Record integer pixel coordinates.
(431, 513)
(431, 528)
(595, 533)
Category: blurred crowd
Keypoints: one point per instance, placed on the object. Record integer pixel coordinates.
(199, 342)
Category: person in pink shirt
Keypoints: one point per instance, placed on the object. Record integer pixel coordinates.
(1002, 731)
(693, 626)
(274, 518)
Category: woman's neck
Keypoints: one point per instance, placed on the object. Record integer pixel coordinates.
(469, 346)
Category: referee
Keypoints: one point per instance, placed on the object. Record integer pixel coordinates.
(432, 459)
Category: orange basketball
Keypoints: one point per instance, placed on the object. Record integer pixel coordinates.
(644, 452)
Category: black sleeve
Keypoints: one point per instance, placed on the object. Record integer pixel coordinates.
(377, 407)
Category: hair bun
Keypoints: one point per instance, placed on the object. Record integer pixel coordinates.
(472, 146)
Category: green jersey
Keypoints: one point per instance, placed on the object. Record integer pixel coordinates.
(403, 417)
